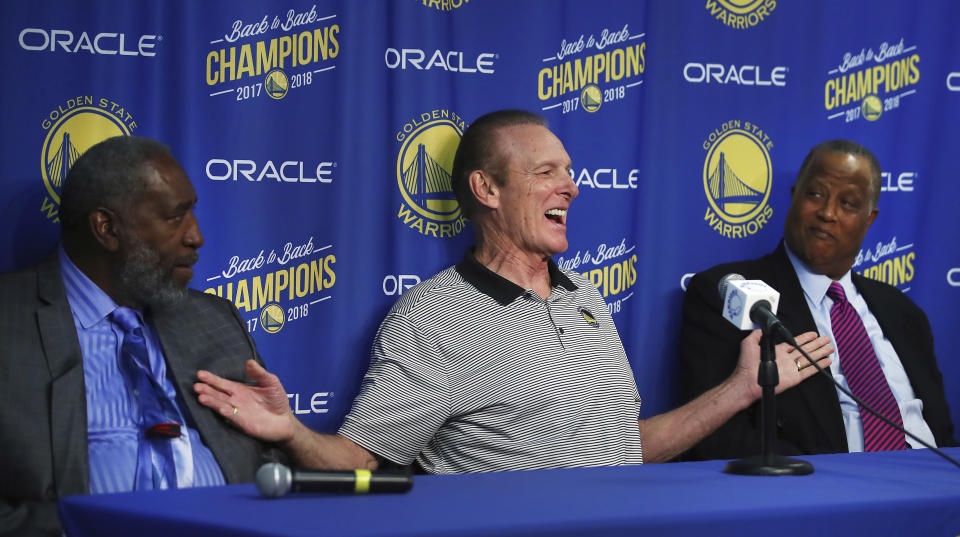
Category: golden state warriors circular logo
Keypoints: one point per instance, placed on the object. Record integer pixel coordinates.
(741, 13)
(871, 108)
(424, 166)
(591, 98)
(276, 84)
(737, 179)
(271, 318)
(73, 128)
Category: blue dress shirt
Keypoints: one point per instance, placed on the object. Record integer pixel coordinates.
(112, 431)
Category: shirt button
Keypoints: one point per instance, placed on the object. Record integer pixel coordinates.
(561, 330)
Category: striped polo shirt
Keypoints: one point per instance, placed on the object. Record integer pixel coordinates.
(471, 373)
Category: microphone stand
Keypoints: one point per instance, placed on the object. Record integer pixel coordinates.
(768, 462)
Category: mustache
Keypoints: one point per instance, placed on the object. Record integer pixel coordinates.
(187, 260)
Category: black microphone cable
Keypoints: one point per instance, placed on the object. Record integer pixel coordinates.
(872, 411)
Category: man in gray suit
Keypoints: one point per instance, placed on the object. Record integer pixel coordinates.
(93, 403)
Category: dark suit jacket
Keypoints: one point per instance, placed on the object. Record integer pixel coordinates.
(809, 420)
(43, 411)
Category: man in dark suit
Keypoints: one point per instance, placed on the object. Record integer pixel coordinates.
(834, 201)
(74, 419)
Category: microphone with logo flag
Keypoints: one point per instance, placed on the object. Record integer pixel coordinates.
(751, 304)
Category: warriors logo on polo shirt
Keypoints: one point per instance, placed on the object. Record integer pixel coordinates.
(424, 165)
(740, 14)
(588, 316)
(737, 178)
(72, 128)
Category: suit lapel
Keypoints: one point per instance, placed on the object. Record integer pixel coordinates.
(180, 358)
(891, 321)
(818, 392)
(68, 402)
(177, 332)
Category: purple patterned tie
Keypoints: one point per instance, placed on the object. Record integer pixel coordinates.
(864, 375)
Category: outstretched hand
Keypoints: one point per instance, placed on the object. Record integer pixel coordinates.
(792, 367)
(262, 411)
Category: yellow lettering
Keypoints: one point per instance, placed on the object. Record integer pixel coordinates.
(302, 280)
(328, 269)
(246, 62)
(262, 290)
(212, 74)
(228, 65)
(286, 49)
(242, 301)
(266, 57)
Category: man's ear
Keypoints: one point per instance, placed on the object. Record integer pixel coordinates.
(484, 189)
(104, 225)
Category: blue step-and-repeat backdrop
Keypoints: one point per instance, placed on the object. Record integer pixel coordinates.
(320, 134)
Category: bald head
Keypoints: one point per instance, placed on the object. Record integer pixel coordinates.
(480, 149)
(842, 147)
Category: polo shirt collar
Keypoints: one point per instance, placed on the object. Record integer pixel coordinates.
(499, 288)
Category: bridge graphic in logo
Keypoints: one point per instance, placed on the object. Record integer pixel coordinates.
(67, 139)
(60, 161)
(424, 166)
(737, 176)
(271, 318)
(428, 183)
(730, 193)
(276, 84)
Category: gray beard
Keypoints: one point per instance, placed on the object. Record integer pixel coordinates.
(144, 280)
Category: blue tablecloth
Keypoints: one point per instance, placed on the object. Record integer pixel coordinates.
(896, 493)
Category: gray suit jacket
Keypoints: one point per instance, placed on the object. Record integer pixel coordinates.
(43, 411)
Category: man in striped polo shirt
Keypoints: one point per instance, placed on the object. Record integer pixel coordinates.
(502, 362)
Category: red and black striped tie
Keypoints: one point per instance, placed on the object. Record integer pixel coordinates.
(864, 375)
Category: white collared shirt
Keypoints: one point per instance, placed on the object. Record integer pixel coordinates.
(911, 408)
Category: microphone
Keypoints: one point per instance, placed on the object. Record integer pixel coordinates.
(275, 480)
(750, 304)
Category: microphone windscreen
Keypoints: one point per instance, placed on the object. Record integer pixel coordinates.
(274, 480)
(725, 282)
